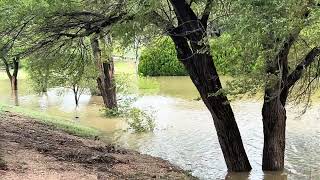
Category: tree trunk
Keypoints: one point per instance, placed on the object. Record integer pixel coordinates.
(14, 77)
(15, 97)
(75, 90)
(193, 51)
(14, 83)
(274, 127)
(203, 74)
(273, 111)
(105, 80)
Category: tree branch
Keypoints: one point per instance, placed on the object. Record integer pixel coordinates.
(7, 67)
(298, 72)
(206, 14)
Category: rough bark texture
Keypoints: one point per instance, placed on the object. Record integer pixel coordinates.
(273, 111)
(193, 51)
(274, 127)
(105, 80)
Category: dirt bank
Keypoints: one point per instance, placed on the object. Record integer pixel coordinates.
(33, 150)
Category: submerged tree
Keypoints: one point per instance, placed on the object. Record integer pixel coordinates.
(186, 22)
(84, 19)
(105, 66)
(14, 23)
(280, 39)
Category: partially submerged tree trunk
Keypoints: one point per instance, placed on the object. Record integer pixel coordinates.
(203, 74)
(15, 97)
(274, 127)
(194, 52)
(76, 94)
(106, 83)
(275, 98)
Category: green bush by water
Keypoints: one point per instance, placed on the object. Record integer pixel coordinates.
(160, 59)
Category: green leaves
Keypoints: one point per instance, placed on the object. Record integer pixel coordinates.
(160, 59)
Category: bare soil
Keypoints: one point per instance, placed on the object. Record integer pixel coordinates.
(32, 150)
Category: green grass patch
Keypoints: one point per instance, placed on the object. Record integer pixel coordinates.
(126, 67)
(60, 123)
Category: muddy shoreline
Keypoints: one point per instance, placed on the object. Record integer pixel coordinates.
(33, 150)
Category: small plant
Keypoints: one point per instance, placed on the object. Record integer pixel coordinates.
(139, 121)
(110, 113)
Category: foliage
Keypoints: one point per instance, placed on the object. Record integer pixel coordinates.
(255, 32)
(139, 121)
(68, 68)
(228, 54)
(160, 59)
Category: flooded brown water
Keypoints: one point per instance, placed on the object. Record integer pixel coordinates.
(185, 134)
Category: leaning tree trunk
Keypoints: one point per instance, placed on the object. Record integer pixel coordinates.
(193, 51)
(203, 74)
(105, 80)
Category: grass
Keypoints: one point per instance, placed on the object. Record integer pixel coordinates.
(145, 84)
(58, 122)
(124, 67)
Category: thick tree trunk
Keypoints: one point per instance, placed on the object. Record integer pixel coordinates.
(194, 52)
(273, 111)
(15, 97)
(14, 83)
(274, 127)
(105, 80)
(208, 84)
(107, 86)
(203, 74)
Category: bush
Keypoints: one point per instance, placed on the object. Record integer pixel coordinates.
(139, 121)
(160, 59)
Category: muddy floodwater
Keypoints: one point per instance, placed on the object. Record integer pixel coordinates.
(185, 134)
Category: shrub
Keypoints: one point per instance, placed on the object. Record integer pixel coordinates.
(139, 121)
(160, 59)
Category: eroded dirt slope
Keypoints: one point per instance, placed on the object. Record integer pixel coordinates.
(33, 150)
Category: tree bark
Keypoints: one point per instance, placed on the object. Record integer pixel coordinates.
(274, 128)
(14, 83)
(273, 111)
(14, 76)
(203, 74)
(194, 52)
(105, 80)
